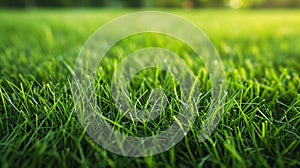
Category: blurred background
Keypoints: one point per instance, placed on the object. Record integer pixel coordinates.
(190, 4)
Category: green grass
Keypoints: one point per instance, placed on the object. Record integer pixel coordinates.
(260, 126)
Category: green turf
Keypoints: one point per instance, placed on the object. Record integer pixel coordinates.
(260, 126)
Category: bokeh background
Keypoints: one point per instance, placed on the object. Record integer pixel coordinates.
(154, 3)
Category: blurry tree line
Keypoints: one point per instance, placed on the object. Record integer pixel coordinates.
(151, 3)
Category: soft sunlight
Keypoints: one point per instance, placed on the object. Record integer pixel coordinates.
(236, 4)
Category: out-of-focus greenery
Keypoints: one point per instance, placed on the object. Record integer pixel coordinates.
(152, 3)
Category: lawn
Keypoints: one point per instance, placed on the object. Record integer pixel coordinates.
(260, 126)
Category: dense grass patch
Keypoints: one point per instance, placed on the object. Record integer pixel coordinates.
(261, 121)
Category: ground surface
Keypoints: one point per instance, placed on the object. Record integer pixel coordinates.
(261, 121)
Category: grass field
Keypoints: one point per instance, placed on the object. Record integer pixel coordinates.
(260, 126)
